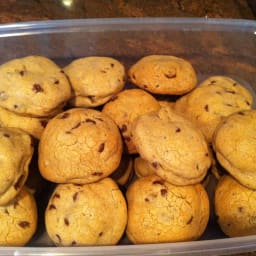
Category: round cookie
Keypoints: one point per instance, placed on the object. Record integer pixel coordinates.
(173, 145)
(235, 147)
(33, 86)
(79, 146)
(142, 167)
(214, 99)
(125, 107)
(32, 125)
(16, 151)
(235, 207)
(18, 220)
(95, 80)
(90, 214)
(163, 74)
(161, 212)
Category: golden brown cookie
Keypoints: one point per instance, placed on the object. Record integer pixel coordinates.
(16, 151)
(235, 207)
(33, 86)
(79, 146)
(163, 74)
(124, 173)
(214, 99)
(235, 147)
(161, 212)
(32, 125)
(173, 145)
(18, 220)
(90, 214)
(95, 80)
(142, 167)
(125, 107)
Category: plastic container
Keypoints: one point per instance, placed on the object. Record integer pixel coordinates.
(213, 46)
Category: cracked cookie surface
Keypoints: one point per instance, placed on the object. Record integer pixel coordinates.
(90, 214)
(33, 86)
(125, 107)
(16, 151)
(235, 207)
(234, 143)
(161, 212)
(214, 99)
(172, 145)
(163, 74)
(79, 146)
(18, 220)
(95, 80)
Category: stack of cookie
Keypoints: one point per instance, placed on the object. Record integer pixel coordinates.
(18, 211)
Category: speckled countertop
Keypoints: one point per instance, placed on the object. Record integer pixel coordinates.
(30, 10)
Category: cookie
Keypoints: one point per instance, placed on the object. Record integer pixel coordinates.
(124, 173)
(161, 212)
(142, 167)
(95, 80)
(33, 86)
(235, 207)
(90, 214)
(125, 107)
(235, 148)
(16, 151)
(79, 146)
(175, 148)
(32, 125)
(163, 74)
(18, 220)
(214, 99)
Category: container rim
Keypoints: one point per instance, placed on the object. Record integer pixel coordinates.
(125, 24)
(192, 248)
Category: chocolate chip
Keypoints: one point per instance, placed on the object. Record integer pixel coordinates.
(230, 91)
(18, 183)
(228, 104)
(59, 238)
(6, 211)
(22, 72)
(37, 88)
(56, 81)
(15, 106)
(73, 243)
(101, 147)
(190, 220)
(213, 82)
(56, 195)
(7, 135)
(155, 164)
(160, 182)
(24, 224)
(240, 209)
(75, 196)
(97, 173)
(197, 167)
(163, 192)
(76, 126)
(44, 123)
(218, 92)
(241, 113)
(234, 84)
(65, 115)
(101, 233)
(146, 199)
(177, 130)
(112, 65)
(88, 120)
(157, 85)
(206, 107)
(52, 207)
(169, 76)
(66, 221)
(103, 71)
(206, 154)
(124, 128)
(247, 102)
(61, 71)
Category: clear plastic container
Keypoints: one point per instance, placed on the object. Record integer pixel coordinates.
(213, 46)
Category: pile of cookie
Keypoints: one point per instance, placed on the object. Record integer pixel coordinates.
(90, 133)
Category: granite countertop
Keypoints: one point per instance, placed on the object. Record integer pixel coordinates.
(30, 10)
(27, 10)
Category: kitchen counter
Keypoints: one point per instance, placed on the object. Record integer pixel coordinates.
(27, 10)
